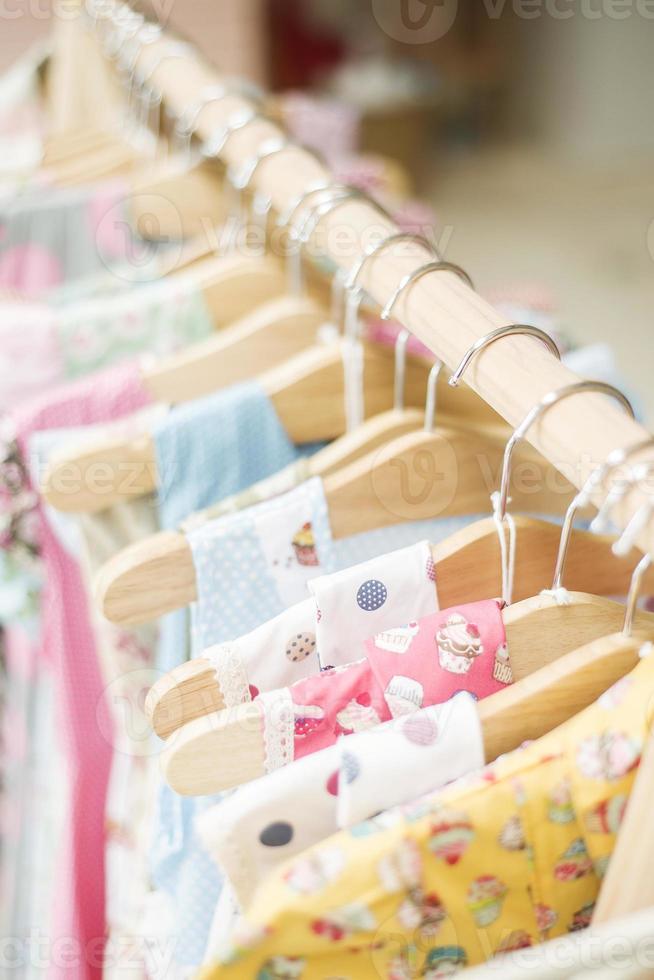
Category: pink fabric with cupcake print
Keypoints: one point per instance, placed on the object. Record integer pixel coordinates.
(423, 663)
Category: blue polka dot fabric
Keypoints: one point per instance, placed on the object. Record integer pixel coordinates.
(372, 595)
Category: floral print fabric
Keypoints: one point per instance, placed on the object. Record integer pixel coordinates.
(49, 236)
(75, 341)
(502, 860)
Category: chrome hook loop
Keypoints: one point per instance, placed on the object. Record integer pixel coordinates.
(553, 398)
(616, 458)
(522, 329)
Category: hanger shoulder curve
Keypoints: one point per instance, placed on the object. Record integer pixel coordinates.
(373, 433)
(539, 702)
(422, 475)
(93, 479)
(160, 568)
(234, 736)
(232, 285)
(539, 630)
(267, 336)
(469, 562)
(175, 699)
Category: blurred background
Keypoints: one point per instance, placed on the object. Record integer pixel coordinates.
(527, 124)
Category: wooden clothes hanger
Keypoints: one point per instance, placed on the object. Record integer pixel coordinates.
(468, 568)
(226, 748)
(191, 691)
(126, 590)
(311, 380)
(554, 680)
(314, 378)
(549, 696)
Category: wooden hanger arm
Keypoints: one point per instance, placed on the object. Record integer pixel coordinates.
(629, 883)
(539, 630)
(93, 479)
(471, 557)
(233, 285)
(217, 752)
(272, 333)
(467, 565)
(539, 702)
(187, 692)
(226, 748)
(165, 567)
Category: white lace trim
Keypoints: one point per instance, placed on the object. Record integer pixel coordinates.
(278, 728)
(231, 674)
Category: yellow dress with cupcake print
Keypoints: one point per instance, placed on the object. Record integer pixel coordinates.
(504, 859)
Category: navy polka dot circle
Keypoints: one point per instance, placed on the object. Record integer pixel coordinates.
(372, 595)
(276, 834)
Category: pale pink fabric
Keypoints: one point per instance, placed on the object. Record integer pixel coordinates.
(405, 669)
(30, 357)
(67, 641)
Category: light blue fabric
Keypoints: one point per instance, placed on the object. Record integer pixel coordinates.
(207, 450)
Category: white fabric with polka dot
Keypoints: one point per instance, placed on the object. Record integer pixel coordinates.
(274, 818)
(376, 595)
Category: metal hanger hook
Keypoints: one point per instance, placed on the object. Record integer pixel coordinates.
(352, 280)
(187, 120)
(553, 398)
(174, 49)
(242, 177)
(522, 329)
(634, 592)
(214, 146)
(412, 277)
(355, 292)
(403, 337)
(616, 458)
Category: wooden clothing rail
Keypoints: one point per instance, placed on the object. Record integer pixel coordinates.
(512, 375)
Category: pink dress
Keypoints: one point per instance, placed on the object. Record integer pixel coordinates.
(67, 641)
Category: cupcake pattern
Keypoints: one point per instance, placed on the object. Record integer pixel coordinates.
(502, 668)
(459, 644)
(450, 837)
(443, 962)
(282, 968)
(304, 545)
(403, 695)
(487, 866)
(606, 817)
(397, 640)
(421, 911)
(512, 837)
(357, 716)
(485, 897)
(608, 756)
(559, 808)
(575, 863)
